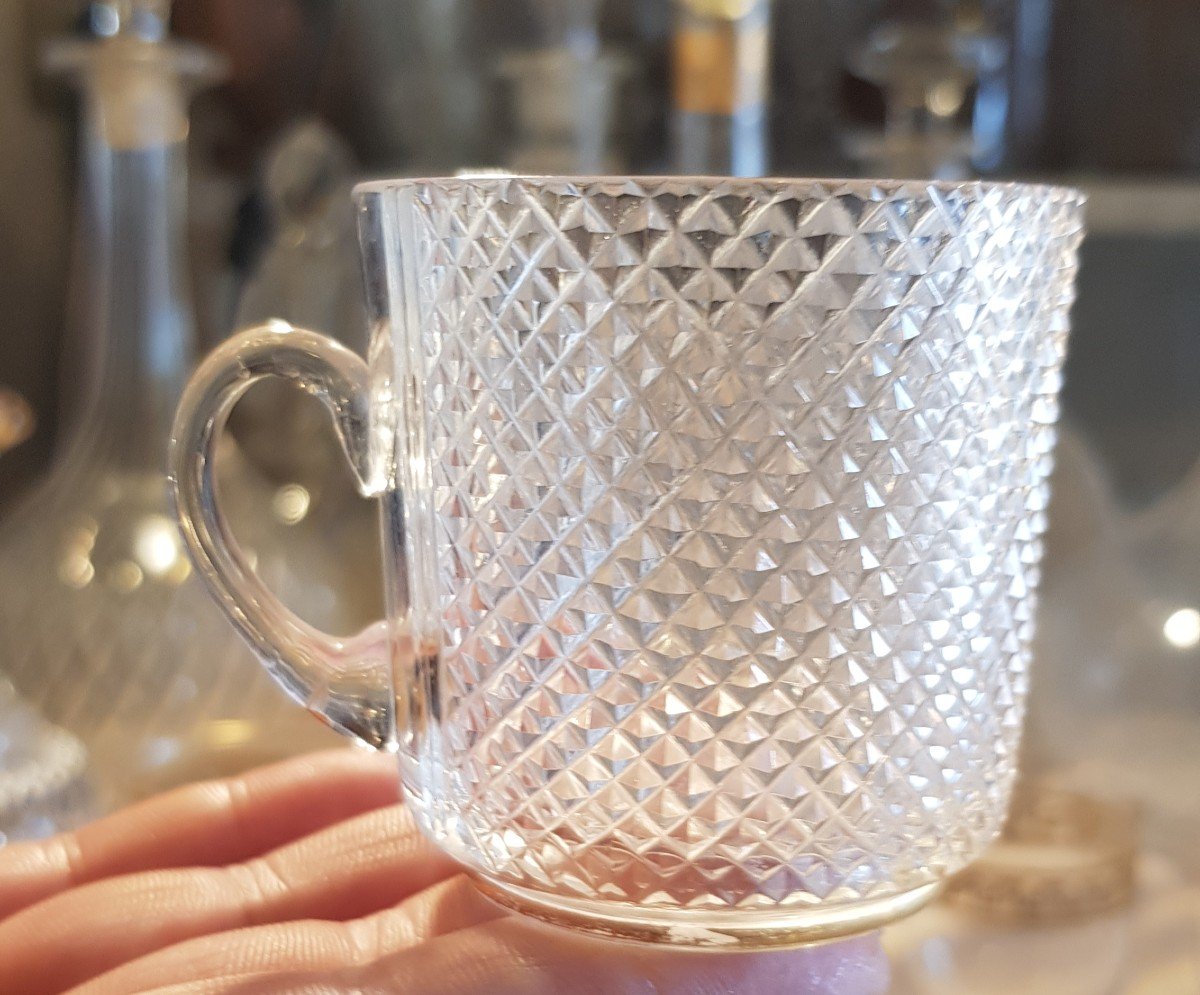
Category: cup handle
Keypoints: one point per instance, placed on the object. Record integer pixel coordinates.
(346, 682)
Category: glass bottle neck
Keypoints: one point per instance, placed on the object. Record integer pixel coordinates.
(131, 343)
(143, 326)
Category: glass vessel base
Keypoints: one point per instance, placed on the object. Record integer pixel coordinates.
(714, 931)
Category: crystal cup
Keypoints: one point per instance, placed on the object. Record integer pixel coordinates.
(711, 518)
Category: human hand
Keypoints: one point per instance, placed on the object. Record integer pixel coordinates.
(308, 877)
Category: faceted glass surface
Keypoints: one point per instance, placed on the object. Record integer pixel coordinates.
(718, 524)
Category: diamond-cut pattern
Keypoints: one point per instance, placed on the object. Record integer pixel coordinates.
(731, 497)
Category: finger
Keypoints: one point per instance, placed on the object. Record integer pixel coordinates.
(262, 954)
(459, 944)
(344, 872)
(206, 824)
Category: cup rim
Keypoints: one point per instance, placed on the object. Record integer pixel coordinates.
(861, 186)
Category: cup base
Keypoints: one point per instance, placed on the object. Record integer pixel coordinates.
(715, 931)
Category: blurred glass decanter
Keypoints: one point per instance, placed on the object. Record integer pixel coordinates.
(44, 785)
(940, 70)
(103, 627)
(564, 93)
(309, 276)
(1115, 703)
(721, 77)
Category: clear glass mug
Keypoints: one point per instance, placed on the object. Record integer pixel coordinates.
(711, 514)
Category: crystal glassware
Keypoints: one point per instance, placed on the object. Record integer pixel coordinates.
(45, 785)
(941, 72)
(564, 92)
(720, 75)
(43, 770)
(712, 515)
(309, 275)
(105, 629)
